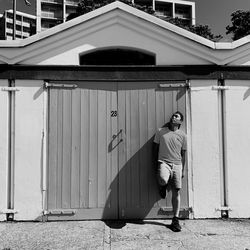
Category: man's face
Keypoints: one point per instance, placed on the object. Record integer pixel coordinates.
(176, 119)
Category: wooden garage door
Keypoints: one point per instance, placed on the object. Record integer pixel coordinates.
(142, 108)
(81, 165)
(100, 150)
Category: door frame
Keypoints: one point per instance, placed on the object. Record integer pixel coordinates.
(167, 83)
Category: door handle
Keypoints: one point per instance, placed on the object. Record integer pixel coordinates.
(111, 146)
(115, 136)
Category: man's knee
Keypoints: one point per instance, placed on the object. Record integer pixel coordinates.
(163, 174)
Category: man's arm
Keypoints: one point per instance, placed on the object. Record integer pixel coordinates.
(183, 160)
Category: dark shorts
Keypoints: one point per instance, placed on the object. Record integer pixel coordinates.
(169, 173)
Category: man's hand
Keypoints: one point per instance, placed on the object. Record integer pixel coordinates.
(183, 174)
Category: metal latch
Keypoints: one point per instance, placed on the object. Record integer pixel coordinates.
(60, 212)
(185, 209)
(60, 85)
(10, 89)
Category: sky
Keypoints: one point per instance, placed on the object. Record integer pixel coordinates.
(217, 13)
(214, 13)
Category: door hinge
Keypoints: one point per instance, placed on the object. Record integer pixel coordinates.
(169, 209)
(60, 212)
(175, 84)
(220, 88)
(223, 209)
(60, 85)
(10, 89)
(8, 211)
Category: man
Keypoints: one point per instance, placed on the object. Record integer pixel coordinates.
(170, 145)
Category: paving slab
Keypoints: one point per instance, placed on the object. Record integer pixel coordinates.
(123, 235)
(52, 235)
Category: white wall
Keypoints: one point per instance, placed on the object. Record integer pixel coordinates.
(28, 153)
(115, 29)
(206, 159)
(3, 147)
(166, 48)
(238, 147)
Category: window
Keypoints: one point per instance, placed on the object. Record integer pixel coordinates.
(118, 56)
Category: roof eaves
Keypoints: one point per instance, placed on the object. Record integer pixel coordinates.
(232, 45)
(95, 13)
(166, 25)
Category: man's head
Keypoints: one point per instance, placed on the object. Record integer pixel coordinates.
(177, 118)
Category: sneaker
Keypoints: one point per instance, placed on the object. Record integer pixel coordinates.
(163, 191)
(175, 225)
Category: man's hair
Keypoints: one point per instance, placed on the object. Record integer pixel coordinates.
(181, 115)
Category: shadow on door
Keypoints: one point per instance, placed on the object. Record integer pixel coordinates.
(138, 196)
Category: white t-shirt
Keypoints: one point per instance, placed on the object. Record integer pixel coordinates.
(170, 144)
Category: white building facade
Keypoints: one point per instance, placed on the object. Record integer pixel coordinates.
(184, 10)
(53, 12)
(25, 25)
(76, 133)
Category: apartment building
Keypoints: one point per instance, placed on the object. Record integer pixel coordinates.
(53, 12)
(25, 25)
(184, 10)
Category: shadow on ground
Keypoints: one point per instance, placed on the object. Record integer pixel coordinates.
(118, 224)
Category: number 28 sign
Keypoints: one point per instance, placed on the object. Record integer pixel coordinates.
(113, 113)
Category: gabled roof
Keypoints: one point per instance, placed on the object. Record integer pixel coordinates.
(77, 33)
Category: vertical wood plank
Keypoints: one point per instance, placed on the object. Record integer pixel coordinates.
(181, 104)
(128, 169)
(67, 138)
(174, 101)
(102, 148)
(151, 133)
(143, 148)
(168, 105)
(114, 154)
(159, 98)
(93, 150)
(52, 174)
(122, 156)
(84, 170)
(135, 144)
(60, 148)
(109, 151)
(75, 148)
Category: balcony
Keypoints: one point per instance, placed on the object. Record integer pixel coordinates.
(50, 15)
(72, 2)
(9, 31)
(182, 16)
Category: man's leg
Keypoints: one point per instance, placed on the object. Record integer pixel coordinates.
(176, 201)
(163, 177)
(176, 198)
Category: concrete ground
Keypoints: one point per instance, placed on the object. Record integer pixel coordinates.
(148, 234)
